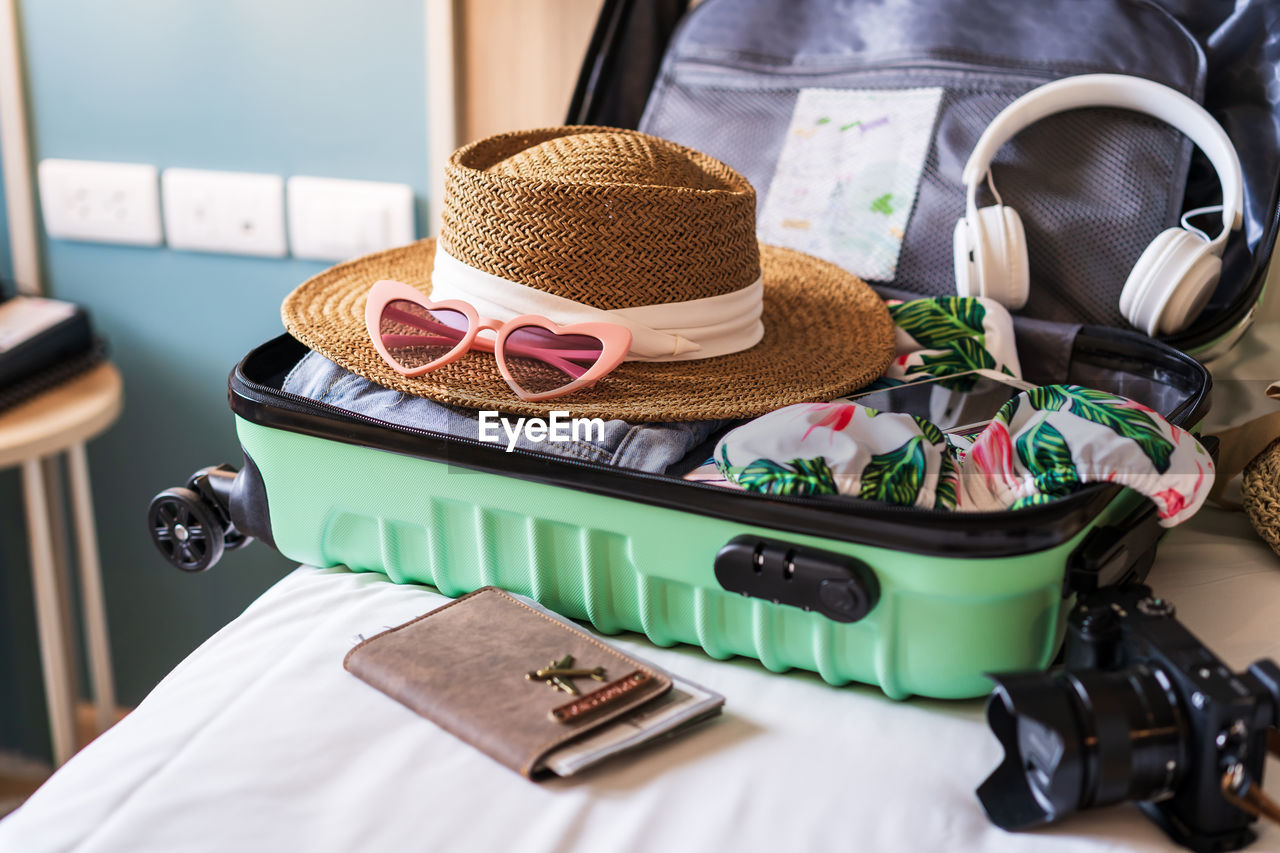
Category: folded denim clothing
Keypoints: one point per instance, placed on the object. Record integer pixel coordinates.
(1043, 444)
(652, 447)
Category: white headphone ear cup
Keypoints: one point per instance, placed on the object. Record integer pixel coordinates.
(966, 260)
(1192, 293)
(1170, 283)
(1003, 267)
(990, 248)
(1140, 278)
(1018, 277)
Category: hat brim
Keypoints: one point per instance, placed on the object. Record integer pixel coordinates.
(826, 334)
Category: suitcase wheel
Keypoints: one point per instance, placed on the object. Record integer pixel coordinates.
(187, 530)
(214, 485)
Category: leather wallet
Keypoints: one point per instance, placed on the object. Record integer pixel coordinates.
(472, 667)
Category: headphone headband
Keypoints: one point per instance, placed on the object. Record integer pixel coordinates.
(1123, 92)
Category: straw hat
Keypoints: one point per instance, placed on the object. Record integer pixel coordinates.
(605, 222)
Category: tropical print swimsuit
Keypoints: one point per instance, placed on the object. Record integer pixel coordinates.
(1043, 444)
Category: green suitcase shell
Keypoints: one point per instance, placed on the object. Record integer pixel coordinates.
(915, 601)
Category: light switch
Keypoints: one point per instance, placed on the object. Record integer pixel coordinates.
(332, 219)
(234, 212)
(100, 202)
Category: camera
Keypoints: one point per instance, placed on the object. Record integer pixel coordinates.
(1140, 710)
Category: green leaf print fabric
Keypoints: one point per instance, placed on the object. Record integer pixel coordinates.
(827, 448)
(934, 323)
(1043, 450)
(1123, 417)
(1044, 444)
(797, 477)
(1048, 441)
(896, 477)
(946, 335)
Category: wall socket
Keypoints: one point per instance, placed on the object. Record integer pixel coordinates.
(332, 219)
(235, 212)
(101, 202)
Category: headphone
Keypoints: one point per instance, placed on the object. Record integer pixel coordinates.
(1175, 275)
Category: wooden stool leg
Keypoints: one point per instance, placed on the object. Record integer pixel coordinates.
(94, 612)
(56, 500)
(53, 649)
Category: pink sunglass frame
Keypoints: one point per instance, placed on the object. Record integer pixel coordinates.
(615, 339)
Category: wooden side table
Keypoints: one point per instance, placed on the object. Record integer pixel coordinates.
(32, 435)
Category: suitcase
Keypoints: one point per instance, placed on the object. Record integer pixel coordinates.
(915, 601)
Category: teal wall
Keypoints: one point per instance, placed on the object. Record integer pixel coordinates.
(322, 87)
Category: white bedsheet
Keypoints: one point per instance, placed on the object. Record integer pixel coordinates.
(260, 741)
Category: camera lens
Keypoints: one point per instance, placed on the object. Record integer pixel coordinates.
(1076, 740)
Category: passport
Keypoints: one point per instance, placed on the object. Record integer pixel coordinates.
(525, 686)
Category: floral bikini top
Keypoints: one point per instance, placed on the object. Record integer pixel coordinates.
(1043, 444)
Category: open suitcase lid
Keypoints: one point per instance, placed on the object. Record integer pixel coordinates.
(1219, 55)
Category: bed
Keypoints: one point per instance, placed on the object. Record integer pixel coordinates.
(261, 741)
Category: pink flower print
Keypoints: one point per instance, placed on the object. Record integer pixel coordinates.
(837, 417)
(1174, 502)
(993, 454)
(902, 359)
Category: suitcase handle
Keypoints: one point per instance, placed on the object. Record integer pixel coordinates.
(1123, 552)
(1115, 553)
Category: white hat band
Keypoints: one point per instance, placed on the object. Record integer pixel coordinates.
(672, 331)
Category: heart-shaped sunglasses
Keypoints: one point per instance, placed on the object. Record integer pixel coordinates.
(539, 359)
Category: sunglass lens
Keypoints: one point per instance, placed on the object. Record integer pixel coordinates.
(416, 336)
(540, 361)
